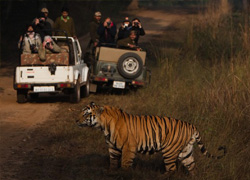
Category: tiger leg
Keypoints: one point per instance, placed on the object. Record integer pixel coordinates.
(128, 155)
(114, 156)
(186, 156)
(170, 161)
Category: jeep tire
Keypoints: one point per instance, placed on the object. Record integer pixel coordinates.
(75, 95)
(85, 89)
(22, 96)
(130, 65)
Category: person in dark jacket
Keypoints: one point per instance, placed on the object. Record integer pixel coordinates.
(41, 26)
(107, 32)
(137, 27)
(94, 39)
(124, 30)
(93, 26)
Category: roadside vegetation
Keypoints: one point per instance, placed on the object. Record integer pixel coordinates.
(200, 75)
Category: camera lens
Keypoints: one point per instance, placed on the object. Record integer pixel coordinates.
(41, 21)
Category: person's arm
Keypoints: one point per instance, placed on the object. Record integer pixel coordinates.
(101, 30)
(56, 25)
(73, 28)
(47, 29)
(142, 32)
(92, 31)
(56, 48)
(112, 30)
(122, 43)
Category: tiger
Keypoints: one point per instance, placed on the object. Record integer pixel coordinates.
(128, 134)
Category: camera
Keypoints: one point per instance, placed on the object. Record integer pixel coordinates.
(136, 23)
(108, 23)
(33, 48)
(41, 21)
(47, 45)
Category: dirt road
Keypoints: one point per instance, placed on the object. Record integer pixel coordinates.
(16, 120)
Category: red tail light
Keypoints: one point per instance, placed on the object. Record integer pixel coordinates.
(24, 86)
(101, 79)
(140, 83)
(65, 85)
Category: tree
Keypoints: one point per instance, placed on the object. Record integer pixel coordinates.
(134, 5)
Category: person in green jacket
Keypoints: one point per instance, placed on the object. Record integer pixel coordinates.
(129, 42)
(66, 23)
(94, 38)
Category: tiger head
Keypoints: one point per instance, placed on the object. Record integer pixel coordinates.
(90, 116)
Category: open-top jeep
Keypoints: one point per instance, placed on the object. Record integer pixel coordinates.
(119, 68)
(61, 72)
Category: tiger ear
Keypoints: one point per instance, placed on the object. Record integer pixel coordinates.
(100, 110)
(92, 103)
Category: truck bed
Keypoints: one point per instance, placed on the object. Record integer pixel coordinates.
(61, 58)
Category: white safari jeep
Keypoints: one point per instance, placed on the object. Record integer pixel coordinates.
(61, 72)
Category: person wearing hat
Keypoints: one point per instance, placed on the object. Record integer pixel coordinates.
(41, 26)
(48, 46)
(94, 37)
(46, 13)
(93, 26)
(66, 23)
(124, 29)
(47, 19)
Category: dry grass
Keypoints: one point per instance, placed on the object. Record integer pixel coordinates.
(214, 95)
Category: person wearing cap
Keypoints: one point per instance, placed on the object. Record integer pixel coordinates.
(65, 23)
(93, 26)
(41, 26)
(94, 37)
(46, 13)
(47, 47)
(124, 29)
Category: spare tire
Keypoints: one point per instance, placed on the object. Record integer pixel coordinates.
(130, 65)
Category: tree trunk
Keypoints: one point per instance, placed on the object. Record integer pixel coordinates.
(224, 6)
(134, 5)
(246, 23)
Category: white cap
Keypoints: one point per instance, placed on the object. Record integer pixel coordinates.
(98, 13)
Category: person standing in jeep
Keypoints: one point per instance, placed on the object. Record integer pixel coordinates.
(137, 27)
(94, 38)
(66, 23)
(41, 26)
(93, 26)
(30, 41)
(107, 32)
(129, 42)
